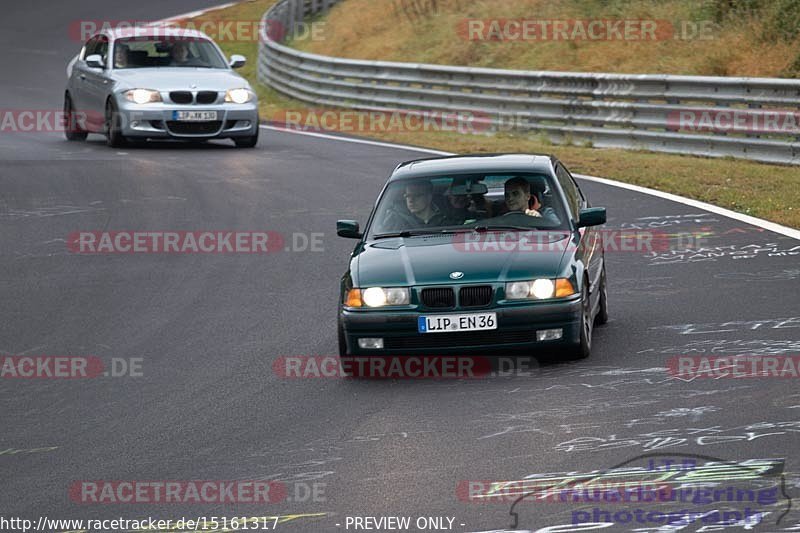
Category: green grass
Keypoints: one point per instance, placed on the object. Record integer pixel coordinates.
(744, 37)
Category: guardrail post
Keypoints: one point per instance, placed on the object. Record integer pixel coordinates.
(291, 12)
(300, 6)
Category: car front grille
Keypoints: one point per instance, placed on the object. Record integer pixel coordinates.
(439, 297)
(207, 97)
(181, 97)
(194, 128)
(464, 338)
(477, 296)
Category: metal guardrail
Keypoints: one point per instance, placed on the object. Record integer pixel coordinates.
(751, 118)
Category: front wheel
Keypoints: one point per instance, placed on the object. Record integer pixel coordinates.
(114, 137)
(72, 130)
(602, 312)
(584, 346)
(345, 361)
(247, 142)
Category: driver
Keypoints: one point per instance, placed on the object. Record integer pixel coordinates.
(180, 54)
(120, 56)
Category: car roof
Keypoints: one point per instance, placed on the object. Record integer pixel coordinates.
(479, 163)
(155, 30)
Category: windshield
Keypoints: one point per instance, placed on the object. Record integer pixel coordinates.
(149, 52)
(468, 202)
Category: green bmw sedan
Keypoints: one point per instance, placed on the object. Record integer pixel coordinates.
(479, 253)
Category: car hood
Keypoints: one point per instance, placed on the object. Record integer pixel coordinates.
(429, 260)
(176, 79)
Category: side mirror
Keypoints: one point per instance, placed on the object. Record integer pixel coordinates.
(348, 229)
(237, 61)
(95, 61)
(594, 216)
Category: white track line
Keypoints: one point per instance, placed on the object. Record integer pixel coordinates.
(747, 219)
(359, 141)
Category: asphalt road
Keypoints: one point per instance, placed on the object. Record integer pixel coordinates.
(208, 327)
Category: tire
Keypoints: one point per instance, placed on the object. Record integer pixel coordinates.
(602, 311)
(344, 356)
(114, 137)
(71, 130)
(583, 348)
(247, 142)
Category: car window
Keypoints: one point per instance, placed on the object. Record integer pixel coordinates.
(102, 48)
(90, 47)
(149, 52)
(582, 198)
(570, 190)
(459, 202)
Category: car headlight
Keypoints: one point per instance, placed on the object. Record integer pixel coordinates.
(238, 96)
(142, 96)
(539, 289)
(377, 297)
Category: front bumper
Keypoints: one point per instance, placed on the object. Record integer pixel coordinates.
(156, 121)
(516, 330)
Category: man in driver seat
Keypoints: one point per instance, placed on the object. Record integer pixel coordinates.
(181, 56)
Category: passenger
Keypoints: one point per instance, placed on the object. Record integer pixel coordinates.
(458, 203)
(519, 198)
(465, 208)
(419, 209)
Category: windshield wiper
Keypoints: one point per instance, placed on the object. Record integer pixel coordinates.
(490, 227)
(414, 233)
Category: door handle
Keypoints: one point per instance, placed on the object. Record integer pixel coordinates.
(83, 77)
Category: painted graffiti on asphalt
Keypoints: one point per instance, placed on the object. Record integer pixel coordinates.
(668, 438)
(735, 325)
(714, 253)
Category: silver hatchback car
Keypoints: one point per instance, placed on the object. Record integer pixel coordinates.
(158, 82)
